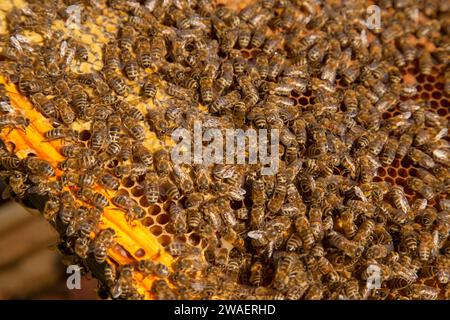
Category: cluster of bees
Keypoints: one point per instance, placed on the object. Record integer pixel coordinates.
(312, 230)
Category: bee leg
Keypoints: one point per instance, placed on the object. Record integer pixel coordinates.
(10, 130)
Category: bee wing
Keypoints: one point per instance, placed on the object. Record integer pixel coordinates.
(256, 234)
(16, 44)
(442, 133)
(237, 193)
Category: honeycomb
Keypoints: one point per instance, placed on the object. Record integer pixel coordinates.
(132, 244)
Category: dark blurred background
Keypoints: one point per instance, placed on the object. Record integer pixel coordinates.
(30, 265)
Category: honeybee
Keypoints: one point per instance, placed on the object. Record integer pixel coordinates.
(98, 135)
(307, 183)
(38, 166)
(135, 129)
(171, 191)
(399, 199)
(387, 101)
(315, 292)
(315, 220)
(82, 180)
(228, 40)
(427, 217)
(329, 70)
(125, 281)
(117, 84)
(294, 243)
(108, 181)
(65, 112)
(45, 106)
(80, 102)
(148, 267)
(110, 274)
(409, 90)
(103, 241)
(61, 133)
(127, 37)
(364, 232)
(404, 144)
(141, 153)
(82, 247)
(274, 204)
(271, 45)
(423, 292)
(212, 214)
(151, 188)
(227, 213)
(222, 258)
(304, 230)
(428, 135)
(348, 224)
(389, 151)
(202, 180)
(244, 35)
(317, 51)
(276, 66)
(149, 89)
(378, 251)
(232, 236)
(425, 63)
(421, 158)
(256, 274)
(258, 193)
(5, 102)
(293, 197)
(162, 163)
(111, 59)
(14, 122)
(350, 248)
(180, 92)
(352, 290)
(132, 209)
(426, 246)
(377, 143)
(16, 184)
(97, 199)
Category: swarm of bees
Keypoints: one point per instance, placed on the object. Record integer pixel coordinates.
(364, 175)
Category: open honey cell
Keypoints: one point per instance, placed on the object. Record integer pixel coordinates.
(439, 86)
(140, 253)
(425, 96)
(194, 239)
(434, 104)
(436, 95)
(85, 135)
(381, 172)
(156, 230)
(143, 202)
(163, 218)
(137, 191)
(154, 209)
(392, 172)
(148, 221)
(164, 240)
(389, 180)
(128, 182)
(402, 172)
